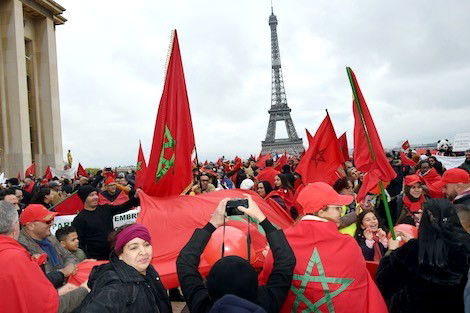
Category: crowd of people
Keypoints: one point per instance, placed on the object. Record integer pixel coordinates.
(417, 235)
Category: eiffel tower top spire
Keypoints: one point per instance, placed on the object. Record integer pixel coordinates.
(280, 111)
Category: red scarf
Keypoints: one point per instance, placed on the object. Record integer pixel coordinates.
(413, 206)
(377, 252)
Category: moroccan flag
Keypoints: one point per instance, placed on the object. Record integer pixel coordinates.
(322, 282)
(141, 168)
(70, 205)
(343, 145)
(31, 170)
(173, 220)
(323, 156)
(121, 198)
(405, 160)
(219, 162)
(169, 170)
(47, 174)
(405, 145)
(369, 155)
(19, 176)
(281, 162)
(261, 163)
(81, 171)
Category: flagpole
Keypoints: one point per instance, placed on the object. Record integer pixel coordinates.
(371, 150)
(197, 164)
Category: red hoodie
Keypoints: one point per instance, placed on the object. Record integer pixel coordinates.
(23, 285)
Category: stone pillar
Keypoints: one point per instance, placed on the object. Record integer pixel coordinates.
(17, 150)
(48, 92)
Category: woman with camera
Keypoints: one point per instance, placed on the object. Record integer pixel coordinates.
(232, 274)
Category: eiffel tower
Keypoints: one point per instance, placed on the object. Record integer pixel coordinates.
(280, 111)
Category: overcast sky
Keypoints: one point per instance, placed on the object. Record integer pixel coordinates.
(412, 60)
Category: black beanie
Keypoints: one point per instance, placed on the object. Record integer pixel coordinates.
(232, 275)
(84, 191)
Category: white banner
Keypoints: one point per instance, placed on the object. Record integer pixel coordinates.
(118, 220)
(461, 142)
(70, 173)
(450, 162)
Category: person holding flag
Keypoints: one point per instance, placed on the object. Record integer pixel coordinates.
(321, 282)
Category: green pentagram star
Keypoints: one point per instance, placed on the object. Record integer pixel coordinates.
(138, 166)
(165, 164)
(321, 278)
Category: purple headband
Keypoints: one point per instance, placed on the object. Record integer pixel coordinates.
(129, 233)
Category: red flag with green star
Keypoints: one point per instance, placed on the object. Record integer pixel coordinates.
(369, 154)
(323, 157)
(323, 281)
(169, 170)
(141, 168)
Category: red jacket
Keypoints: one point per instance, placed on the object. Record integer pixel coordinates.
(268, 174)
(330, 274)
(23, 285)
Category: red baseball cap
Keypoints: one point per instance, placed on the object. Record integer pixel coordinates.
(36, 213)
(316, 196)
(452, 176)
(411, 180)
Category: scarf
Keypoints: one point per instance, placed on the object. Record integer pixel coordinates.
(47, 246)
(413, 206)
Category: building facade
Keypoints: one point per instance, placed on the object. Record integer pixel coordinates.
(29, 90)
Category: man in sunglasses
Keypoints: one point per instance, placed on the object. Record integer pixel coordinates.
(36, 237)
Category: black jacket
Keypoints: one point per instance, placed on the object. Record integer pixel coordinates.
(118, 287)
(270, 297)
(409, 287)
(94, 227)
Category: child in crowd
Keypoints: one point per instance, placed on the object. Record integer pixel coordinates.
(68, 238)
(372, 239)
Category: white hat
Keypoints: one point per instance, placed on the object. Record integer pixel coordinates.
(247, 184)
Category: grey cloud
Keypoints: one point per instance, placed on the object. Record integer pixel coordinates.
(411, 59)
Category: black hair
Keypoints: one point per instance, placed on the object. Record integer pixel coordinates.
(39, 196)
(418, 166)
(439, 233)
(269, 162)
(286, 169)
(341, 183)
(285, 184)
(13, 181)
(5, 192)
(267, 186)
(241, 176)
(63, 232)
